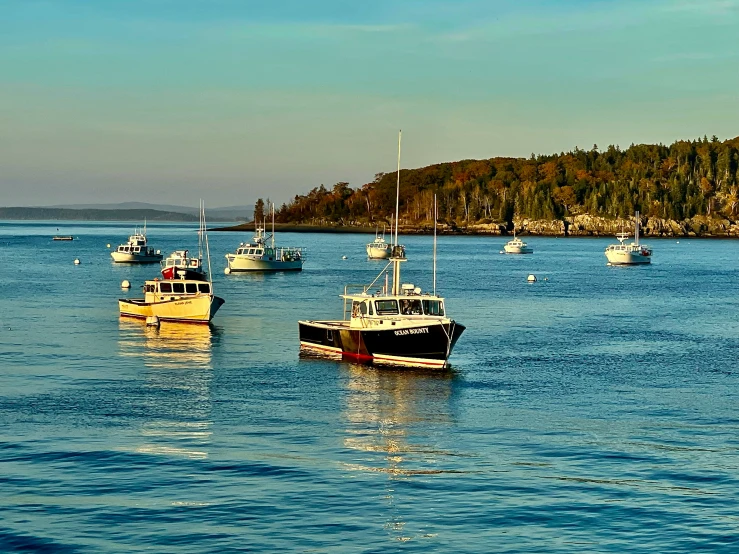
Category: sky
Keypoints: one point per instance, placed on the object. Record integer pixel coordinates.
(170, 101)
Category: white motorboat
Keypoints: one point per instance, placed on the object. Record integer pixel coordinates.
(517, 246)
(379, 249)
(136, 251)
(629, 254)
(398, 326)
(259, 255)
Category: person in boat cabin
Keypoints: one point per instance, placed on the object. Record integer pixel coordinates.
(410, 307)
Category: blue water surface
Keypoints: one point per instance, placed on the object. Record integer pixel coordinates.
(595, 411)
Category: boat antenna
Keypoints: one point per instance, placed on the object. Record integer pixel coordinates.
(636, 228)
(397, 191)
(273, 225)
(435, 216)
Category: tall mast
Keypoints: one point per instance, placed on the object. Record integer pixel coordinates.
(397, 192)
(636, 229)
(435, 216)
(273, 225)
(207, 246)
(200, 232)
(398, 255)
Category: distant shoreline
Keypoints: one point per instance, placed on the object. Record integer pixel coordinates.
(478, 230)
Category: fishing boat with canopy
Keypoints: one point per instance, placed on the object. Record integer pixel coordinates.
(390, 324)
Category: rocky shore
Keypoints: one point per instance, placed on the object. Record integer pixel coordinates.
(576, 226)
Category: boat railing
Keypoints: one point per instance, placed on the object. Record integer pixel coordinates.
(293, 253)
(353, 290)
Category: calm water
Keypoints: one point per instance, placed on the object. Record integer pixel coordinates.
(593, 412)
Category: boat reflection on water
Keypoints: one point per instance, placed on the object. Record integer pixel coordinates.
(395, 420)
(176, 400)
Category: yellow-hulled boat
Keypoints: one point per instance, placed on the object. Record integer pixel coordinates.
(182, 300)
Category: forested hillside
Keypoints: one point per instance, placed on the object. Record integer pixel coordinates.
(676, 182)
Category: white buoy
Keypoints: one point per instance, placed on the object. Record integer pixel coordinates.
(76, 261)
(108, 245)
(343, 257)
(152, 321)
(227, 271)
(126, 284)
(531, 278)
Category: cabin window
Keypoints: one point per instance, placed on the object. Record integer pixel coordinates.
(137, 249)
(370, 308)
(178, 287)
(355, 308)
(260, 252)
(386, 307)
(204, 288)
(433, 307)
(170, 263)
(410, 307)
(193, 263)
(149, 288)
(191, 288)
(363, 308)
(165, 287)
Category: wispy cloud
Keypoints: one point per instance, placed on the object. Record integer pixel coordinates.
(706, 7)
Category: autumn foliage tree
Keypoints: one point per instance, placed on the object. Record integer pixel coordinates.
(679, 181)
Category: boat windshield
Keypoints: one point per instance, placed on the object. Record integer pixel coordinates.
(410, 307)
(433, 307)
(386, 307)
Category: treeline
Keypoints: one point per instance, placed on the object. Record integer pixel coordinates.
(679, 181)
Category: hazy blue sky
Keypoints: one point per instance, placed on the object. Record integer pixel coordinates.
(171, 100)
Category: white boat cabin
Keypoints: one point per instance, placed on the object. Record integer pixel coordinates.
(171, 289)
(179, 258)
(373, 309)
(262, 252)
(136, 245)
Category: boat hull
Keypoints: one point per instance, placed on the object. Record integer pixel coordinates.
(423, 344)
(173, 272)
(378, 253)
(518, 250)
(127, 258)
(196, 309)
(241, 264)
(627, 258)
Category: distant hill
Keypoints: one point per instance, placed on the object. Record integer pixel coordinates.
(93, 214)
(226, 213)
